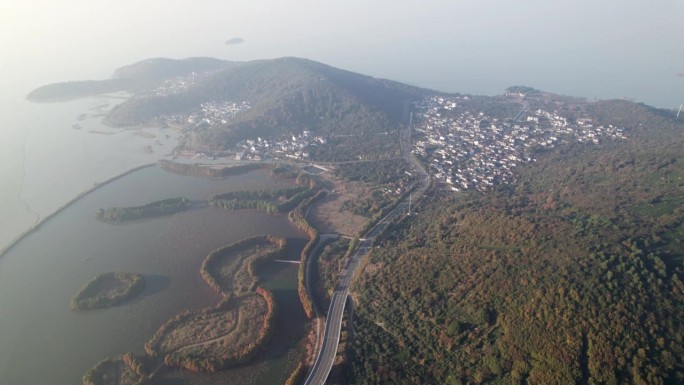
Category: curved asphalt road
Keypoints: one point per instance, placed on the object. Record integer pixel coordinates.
(333, 325)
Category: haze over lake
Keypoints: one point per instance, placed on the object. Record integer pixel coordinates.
(46, 161)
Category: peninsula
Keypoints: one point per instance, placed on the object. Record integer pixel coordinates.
(154, 209)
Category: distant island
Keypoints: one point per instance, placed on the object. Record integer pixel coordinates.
(106, 290)
(235, 41)
(154, 209)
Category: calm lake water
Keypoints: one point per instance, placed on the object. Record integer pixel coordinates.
(45, 161)
(45, 343)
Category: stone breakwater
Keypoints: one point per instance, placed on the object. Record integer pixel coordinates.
(96, 186)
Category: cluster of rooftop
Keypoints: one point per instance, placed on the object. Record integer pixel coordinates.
(471, 150)
(210, 114)
(178, 84)
(291, 146)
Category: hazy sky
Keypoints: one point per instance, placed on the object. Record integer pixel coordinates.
(605, 48)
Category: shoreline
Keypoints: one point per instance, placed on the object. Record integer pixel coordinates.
(11, 244)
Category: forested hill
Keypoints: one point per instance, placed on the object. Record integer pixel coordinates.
(286, 94)
(156, 69)
(571, 276)
(133, 78)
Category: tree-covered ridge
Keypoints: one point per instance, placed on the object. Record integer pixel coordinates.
(330, 263)
(207, 171)
(382, 172)
(364, 146)
(270, 201)
(156, 69)
(574, 275)
(154, 209)
(78, 89)
(385, 179)
(287, 95)
(136, 77)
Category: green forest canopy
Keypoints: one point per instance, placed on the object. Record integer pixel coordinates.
(574, 275)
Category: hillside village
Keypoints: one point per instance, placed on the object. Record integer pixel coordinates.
(471, 150)
(210, 114)
(179, 84)
(465, 149)
(291, 146)
(220, 113)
